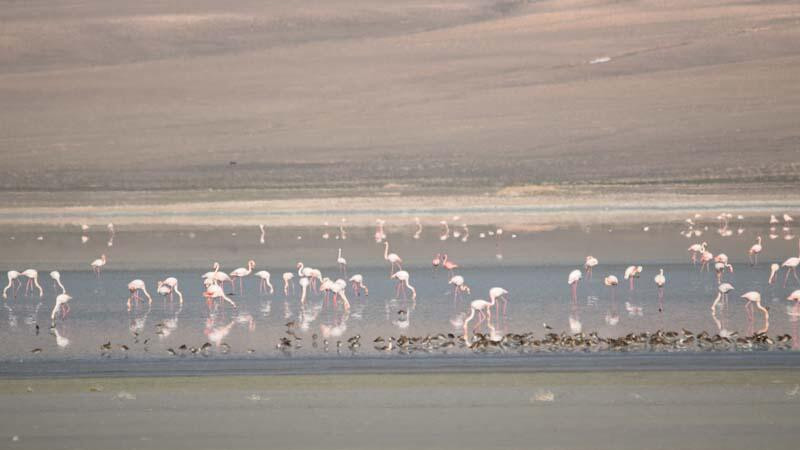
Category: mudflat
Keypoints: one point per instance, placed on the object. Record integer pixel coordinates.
(618, 409)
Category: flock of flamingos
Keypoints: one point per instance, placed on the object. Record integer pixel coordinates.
(335, 289)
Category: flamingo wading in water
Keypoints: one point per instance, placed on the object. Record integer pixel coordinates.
(240, 273)
(392, 258)
(402, 278)
(134, 287)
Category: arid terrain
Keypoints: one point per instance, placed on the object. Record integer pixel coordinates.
(346, 97)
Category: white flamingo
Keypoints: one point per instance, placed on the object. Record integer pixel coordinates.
(62, 304)
(264, 282)
(402, 278)
(134, 287)
(33, 281)
(13, 279)
(754, 251)
(357, 281)
(98, 264)
(240, 273)
(392, 258)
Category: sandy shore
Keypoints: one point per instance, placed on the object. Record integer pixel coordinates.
(555, 206)
(708, 409)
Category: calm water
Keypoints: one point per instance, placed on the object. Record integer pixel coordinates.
(532, 269)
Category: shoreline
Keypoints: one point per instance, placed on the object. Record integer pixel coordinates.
(428, 365)
(541, 210)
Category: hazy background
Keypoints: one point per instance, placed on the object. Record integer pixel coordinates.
(109, 94)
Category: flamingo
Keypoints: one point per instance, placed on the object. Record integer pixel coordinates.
(392, 258)
(134, 287)
(723, 290)
(287, 280)
(591, 262)
(458, 286)
(240, 273)
(98, 264)
(755, 297)
(264, 282)
(62, 303)
(631, 273)
(357, 281)
(13, 277)
(437, 259)
(481, 306)
(110, 228)
(56, 276)
(660, 281)
(214, 291)
(342, 263)
(379, 234)
(773, 272)
(695, 250)
(419, 228)
(612, 317)
(170, 286)
(705, 258)
(754, 251)
(33, 280)
(339, 287)
(402, 278)
(500, 293)
(719, 268)
(448, 264)
(303, 282)
(791, 266)
(445, 231)
(262, 239)
(218, 277)
(572, 280)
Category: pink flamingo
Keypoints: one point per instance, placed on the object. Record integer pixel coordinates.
(612, 316)
(402, 278)
(719, 268)
(168, 287)
(695, 250)
(484, 310)
(591, 262)
(437, 259)
(214, 291)
(448, 264)
(134, 287)
(13, 279)
(303, 282)
(791, 266)
(339, 287)
(56, 276)
(631, 273)
(264, 282)
(499, 293)
(379, 233)
(754, 251)
(705, 258)
(392, 258)
(98, 264)
(33, 281)
(287, 281)
(342, 263)
(240, 273)
(774, 268)
(660, 281)
(62, 303)
(458, 286)
(572, 280)
(218, 277)
(357, 281)
(754, 297)
(722, 295)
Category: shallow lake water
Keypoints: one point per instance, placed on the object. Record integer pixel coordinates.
(531, 264)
